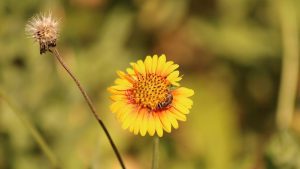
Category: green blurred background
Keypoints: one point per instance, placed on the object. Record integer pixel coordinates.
(229, 51)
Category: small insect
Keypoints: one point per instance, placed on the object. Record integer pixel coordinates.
(166, 102)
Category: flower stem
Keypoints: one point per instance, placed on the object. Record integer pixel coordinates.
(155, 155)
(55, 52)
(33, 131)
(290, 63)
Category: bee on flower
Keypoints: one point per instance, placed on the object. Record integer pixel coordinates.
(148, 97)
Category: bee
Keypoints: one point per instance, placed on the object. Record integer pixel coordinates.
(166, 102)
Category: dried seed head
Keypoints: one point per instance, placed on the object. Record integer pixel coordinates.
(43, 29)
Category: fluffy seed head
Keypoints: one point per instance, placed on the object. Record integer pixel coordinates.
(43, 29)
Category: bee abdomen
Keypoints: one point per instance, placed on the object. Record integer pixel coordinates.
(166, 102)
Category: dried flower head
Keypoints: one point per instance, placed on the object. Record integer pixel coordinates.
(147, 98)
(43, 29)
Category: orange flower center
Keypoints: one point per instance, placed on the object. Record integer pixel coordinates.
(149, 91)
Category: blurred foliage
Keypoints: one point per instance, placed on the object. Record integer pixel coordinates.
(229, 52)
(283, 151)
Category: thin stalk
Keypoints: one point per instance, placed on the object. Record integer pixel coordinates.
(290, 63)
(55, 52)
(33, 131)
(155, 155)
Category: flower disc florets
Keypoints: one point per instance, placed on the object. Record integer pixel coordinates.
(149, 90)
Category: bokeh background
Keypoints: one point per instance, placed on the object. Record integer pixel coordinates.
(230, 52)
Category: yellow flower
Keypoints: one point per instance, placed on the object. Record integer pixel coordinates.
(147, 98)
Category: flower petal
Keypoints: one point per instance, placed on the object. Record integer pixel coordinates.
(129, 120)
(130, 71)
(148, 64)
(118, 97)
(182, 91)
(154, 63)
(142, 68)
(165, 122)
(181, 108)
(151, 124)
(160, 64)
(144, 123)
(123, 112)
(138, 122)
(172, 119)
(186, 102)
(169, 69)
(158, 125)
(116, 106)
(178, 115)
(173, 76)
(165, 68)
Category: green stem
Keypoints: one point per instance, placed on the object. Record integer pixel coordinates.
(155, 155)
(33, 131)
(290, 63)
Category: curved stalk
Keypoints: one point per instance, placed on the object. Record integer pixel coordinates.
(33, 131)
(55, 52)
(290, 63)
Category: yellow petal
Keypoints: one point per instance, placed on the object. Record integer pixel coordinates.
(120, 110)
(135, 67)
(181, 108)
(178, 115)
(158, 125)
(175, 84)
(154, 63)
(131, 127)
(115, 106)
(182, 91)
(165, 122)
(118, 97)
(160, 64)
(129, 119)
(173, 76)
(170, 69)
(141, 65)
(137, 123)
(114, 91)
(172, 119)
(148, 64)
(124, 112)
(178, 79)
(124, 82)
(144, 122)
(121, 74)
(151, 124)
(130, 71)
(165, 68)
(186, 102)
(120, 87)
